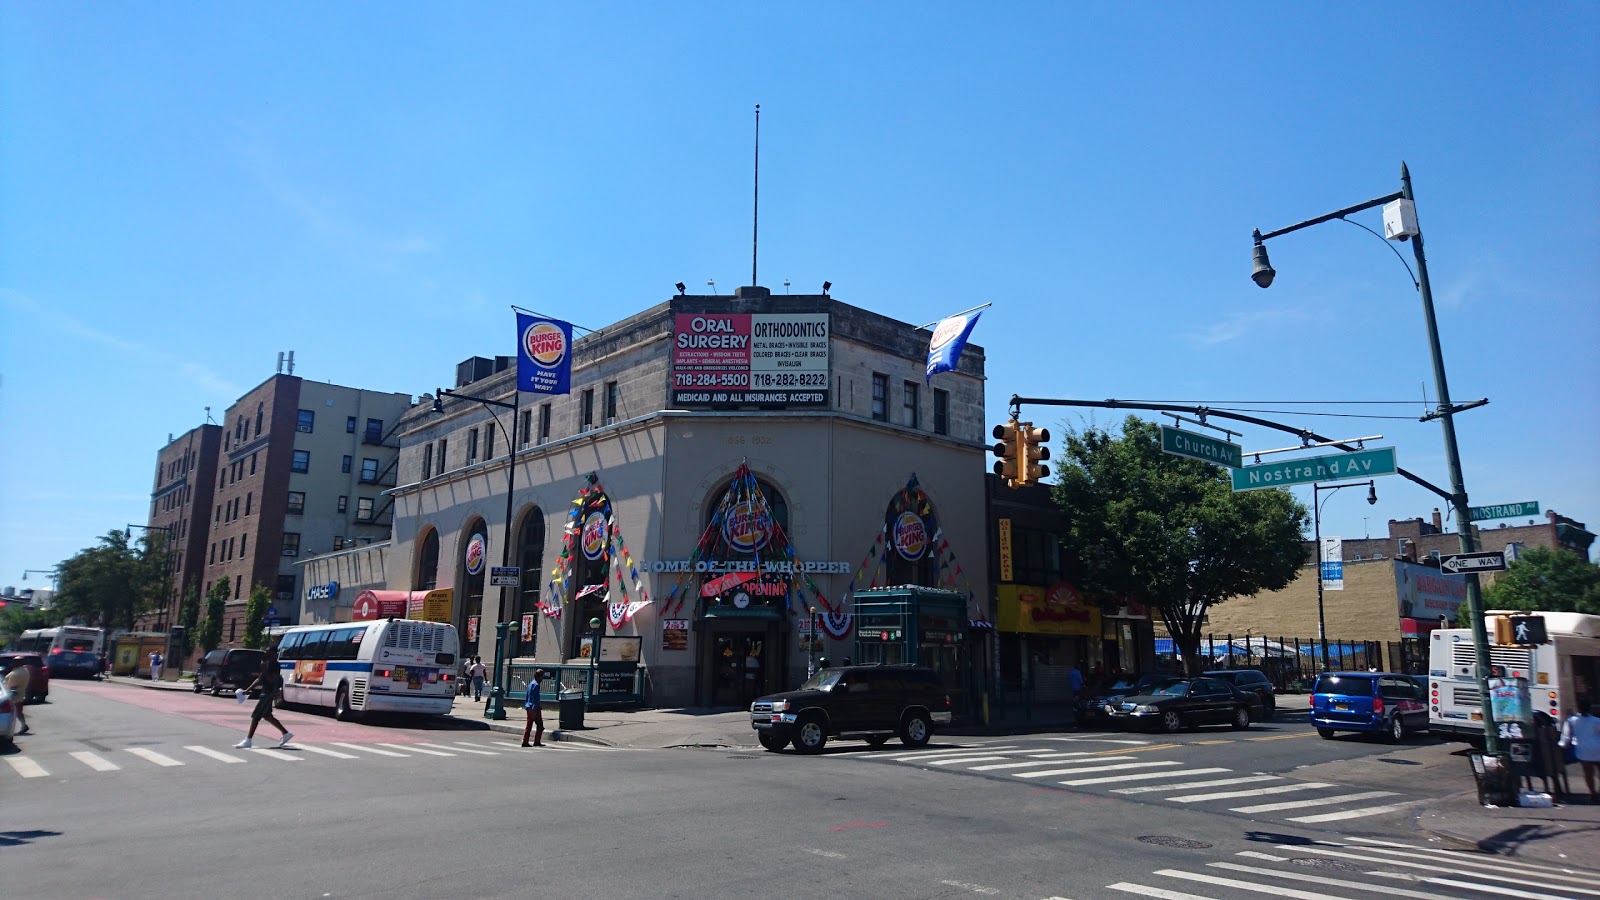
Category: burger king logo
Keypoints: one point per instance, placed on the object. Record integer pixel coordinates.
(475, 550)
(545, 344)
(948, 330)
(746, 528)
(594, 535)
(910, 536)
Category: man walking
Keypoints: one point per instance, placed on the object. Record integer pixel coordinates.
(15, 678)
(530, 706)
(476, 672)
(1582, 734)
(270, 682)
(155, 665)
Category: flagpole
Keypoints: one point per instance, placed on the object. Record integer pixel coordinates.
(962, 313)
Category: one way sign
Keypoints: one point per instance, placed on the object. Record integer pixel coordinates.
(1461, 563)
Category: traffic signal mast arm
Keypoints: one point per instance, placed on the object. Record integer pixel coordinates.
(1203, 411)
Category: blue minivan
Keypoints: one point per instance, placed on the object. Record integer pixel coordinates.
(1379, 702)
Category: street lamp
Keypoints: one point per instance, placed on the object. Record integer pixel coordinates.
(495, 708)
(1316, 515)
(1400, 223)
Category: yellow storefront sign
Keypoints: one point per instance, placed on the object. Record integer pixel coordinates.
(1007, 572)
(434, 606)
(1058, 609)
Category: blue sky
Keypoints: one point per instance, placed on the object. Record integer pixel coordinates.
(186, 190)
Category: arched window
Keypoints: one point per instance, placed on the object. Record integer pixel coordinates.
(472, 582)
(591, 569)
(912, 557)
(751, 530)
(428, 562)
(530, 557)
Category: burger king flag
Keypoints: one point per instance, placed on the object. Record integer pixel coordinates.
(544, 355)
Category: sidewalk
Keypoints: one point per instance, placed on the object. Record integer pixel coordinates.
(1565, 835)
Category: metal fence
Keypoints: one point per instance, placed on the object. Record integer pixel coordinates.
(1291, 663)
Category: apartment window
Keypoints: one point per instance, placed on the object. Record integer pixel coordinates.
(527, 427)
(302, 461)
(344, 503)
(488, 442)
(588, 410)
(218, 517)
(252, 464)
(941, 411)
(247, 501)
(304, 420)
(369, 470)
(261, 410)
(880, 397)
(213, 560)
(363, 509)
(910, 403)
(344, 465)
(233, 624)
(230, 549)
(374, 431)
(297, 503)
(472, 446)
(611, 402)
(427, 461)
(291, 543)
(238, 585)
(444, 444)
(222, 479)
(285, 587)
(350, 425)
(544, 423)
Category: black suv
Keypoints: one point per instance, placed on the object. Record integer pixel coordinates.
(228, 668)
(1252, 681)
(869, 702)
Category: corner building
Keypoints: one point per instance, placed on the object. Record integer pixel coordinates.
(721, 466)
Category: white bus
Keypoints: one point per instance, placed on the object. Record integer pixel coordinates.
(390, 665)
(67, 650)
(1561, 674)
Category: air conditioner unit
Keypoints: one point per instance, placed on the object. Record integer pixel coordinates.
(611, 420)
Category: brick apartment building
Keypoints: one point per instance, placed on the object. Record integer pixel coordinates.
(180, 509)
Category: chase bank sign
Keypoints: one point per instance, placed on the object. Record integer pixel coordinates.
(327, 591)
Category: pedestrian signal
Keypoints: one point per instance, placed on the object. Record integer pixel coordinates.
(1528, 630)
(1502, 630)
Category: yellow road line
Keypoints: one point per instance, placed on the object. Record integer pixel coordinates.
(1208, 743)
(1281, 737)
(1137, 749)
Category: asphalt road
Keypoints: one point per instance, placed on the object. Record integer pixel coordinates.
(132, 793)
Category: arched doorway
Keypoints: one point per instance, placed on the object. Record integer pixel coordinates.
(591, 571)
(742, 605)
(530, 558)
(474, 557)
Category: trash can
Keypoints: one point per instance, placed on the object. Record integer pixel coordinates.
(572, 705)
(1497, 782)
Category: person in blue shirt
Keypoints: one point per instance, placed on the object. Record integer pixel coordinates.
(535, 716)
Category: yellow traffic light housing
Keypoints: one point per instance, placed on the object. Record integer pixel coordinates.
(1032, 452)
(1502, 630)
(1008, 447)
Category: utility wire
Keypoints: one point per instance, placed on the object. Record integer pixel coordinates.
(1292, 412)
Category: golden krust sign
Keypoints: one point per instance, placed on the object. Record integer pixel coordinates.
(1059, 609)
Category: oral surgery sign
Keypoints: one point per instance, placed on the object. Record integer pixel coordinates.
(750, 359)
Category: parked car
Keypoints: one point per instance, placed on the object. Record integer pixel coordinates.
(1375, 702)
(38, 674)
(228, 669)
(1253, 681)
(1092, 708)
(1182, 704)
(8, 719)
(872, 703)
(74, 663)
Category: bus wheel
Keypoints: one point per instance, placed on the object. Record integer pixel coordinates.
(341, 705)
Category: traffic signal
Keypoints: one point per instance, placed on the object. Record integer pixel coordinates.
(1032, 453)
(1528, 630)
(1007, 449)
(1502, 630)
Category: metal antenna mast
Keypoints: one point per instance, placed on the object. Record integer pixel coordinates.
(755, 226)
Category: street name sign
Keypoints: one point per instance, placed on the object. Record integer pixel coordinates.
(1462, 563)
(1311, 469)
(1505, 511)
(1201, 447)
(505, 576)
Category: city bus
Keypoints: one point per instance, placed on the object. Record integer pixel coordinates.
(1561, 674)
(388, 665)
(68, 650)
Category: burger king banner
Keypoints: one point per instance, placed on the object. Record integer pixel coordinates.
(544, 355)
(746, 527)
(475, 551)
(910, 536)
(594, 535)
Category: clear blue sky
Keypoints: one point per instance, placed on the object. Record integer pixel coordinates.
(186, 190)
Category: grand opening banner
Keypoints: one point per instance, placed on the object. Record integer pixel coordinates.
(747, 359)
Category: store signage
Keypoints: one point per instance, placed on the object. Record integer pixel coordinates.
(529, 621)
(472, 629)
(1426, 593)
(594, 535)
(910, 536)
(674, 634)
(544, 355)
(1034, 610)
(743, 359)
(715, 586)
(746, 527)
(475, 551)
(434, 606)
(505, 576)
(717, 567)
(1332, 556)
(1007, 570)
(327, 591)
(368, 606)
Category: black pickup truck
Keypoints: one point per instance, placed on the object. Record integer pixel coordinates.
(873, 703)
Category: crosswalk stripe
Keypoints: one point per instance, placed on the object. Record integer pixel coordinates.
(276, 754)
(1438, 854)
(509, 744)
(1318, 801)
(1158, 893)
(952, 760)
(151, 755)
(94, 761)
(1098, 759)
(1140, 749)
(26, 767)
(462, 750)
(1034, 760)
(313, 748)
(1281, 737)
(1082, 769)
(214, 754)
(1256, 792)
(1354, 813)
(1100, 739)
(1275, 890)
(485, 746)
(1140, 776)
(415, 749)
(1323, 849)
(1332, 882)
(920, 753)
(1193, 785)
(367, 749)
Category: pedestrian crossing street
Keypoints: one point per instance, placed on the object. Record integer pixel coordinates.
(1358, 868)
(1126, 769)
(77, 761)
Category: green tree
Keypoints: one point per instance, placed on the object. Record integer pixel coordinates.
(1548, 581)
(113, 583)
(255, 616)
(16, 618)
(1169, 532)
(189, 617)
(210, 634)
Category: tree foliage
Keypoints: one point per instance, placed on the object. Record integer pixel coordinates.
(16, 618)
(188, 618)
(255, 616)
(112, 584)
(1549, 581)
(210, 633)
(1169, 532)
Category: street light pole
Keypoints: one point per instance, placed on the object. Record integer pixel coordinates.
(1316, 517)
(495, 709)
(1263, 275)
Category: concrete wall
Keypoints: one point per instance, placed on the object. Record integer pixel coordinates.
(1366, 610)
